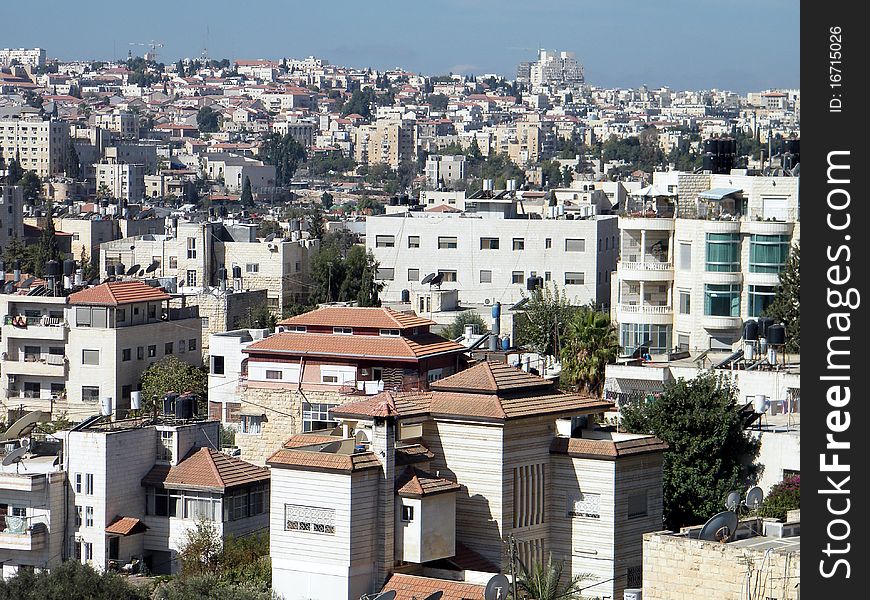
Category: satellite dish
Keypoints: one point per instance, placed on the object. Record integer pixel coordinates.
(439, 277)
(152, 267)
(497, 588)
(24, 425)
(754, 497)
(26, 283)
(9, 287)
(434, 596)
(720, 528)
(133, 269)
(14, 456)
(390, 595)
(733, 501)
(428, 278)
(270, 237)
(141, 274)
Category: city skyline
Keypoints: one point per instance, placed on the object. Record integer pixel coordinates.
(469, 37)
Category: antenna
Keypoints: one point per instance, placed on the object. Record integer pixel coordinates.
(754, 497)
(497, 588)
(720, 527)
(732, 503)
(14, 456)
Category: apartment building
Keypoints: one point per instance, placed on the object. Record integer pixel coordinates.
(41, 146)
(11, 210)
(122, 181)
(124, 124)
(289, 382)
(443, 171)
(489, 252)
(32, 57)
(434, 483)
(388, 141)
(700, 254)
(301, 131)
(233, 170)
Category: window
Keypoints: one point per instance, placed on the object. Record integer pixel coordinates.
(252, 268)
(634, 575)
(584, 505)
(413, 274)
(191, 344)
(723, 252)
(684, 256)
(768, 253)
(517, 277)
(385, 241)
(199, 506)
(273, 374)
(315, 416)
(166, 446)
(519, 244)
(309, 519)
(78, 522)
(120, 315)
(190, 280)
(126, 354)
(296, 328)
(446, 242)
(413, 241)
(655, 337)
(217, 365)
(685, 303)
(548, 243)
(88, 550)
(486, 277)
(252, 424)
(390, 332)
(548, 276)
(167, 347)
(386, 274)
(90, 357)
(682, 342)
(448, 275)
(760, 297)
(722, 300)
(488, 243)
(173, 262)
(407, 513)
(152, 351)
(89, 516)
(342, 330)
(637, 505)
(574, 278)
(78, 484)
(575, 245)
(191, 248)
(157, 503)
(90, 393)
(337, 375)
(89, 484)
(205, 322)
(140, 352)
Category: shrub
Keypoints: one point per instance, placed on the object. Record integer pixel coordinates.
(783, 497)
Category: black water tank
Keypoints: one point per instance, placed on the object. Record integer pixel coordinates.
(119, 269)
(184, 407)
(16, 265)
(533, 283)
(52, 268)
(406, 295)
(222, 274)
(711, 146)
(237, 272)
(169, 403)
(764, 324)
(69, 267)
(776, 335)
(750, 331)
(711, 162)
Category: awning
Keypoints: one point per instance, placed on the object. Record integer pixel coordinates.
(719, 193)
(252, 411)
(651, 191)
(126, 526)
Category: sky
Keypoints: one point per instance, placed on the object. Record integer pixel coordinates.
(740, 45)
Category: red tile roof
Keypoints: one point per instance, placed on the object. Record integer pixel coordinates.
(409, 455)
(414, 483)
(606, 449)
(206, 469)
(413, 587)
(490, 377)
(324, 461)
(355, 346)
(370, 318)
(126, 526)
(116, 293)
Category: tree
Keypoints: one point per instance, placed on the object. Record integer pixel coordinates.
(70, 580)
(14, 172)
(545, 581)
(315, 224)
(258, 317)
(48, 248)
(786, 305)
(208, 120)
(72, 164)
(327, 200)
(438, 101)
(710, 452)
(31, 187)
(247, 198)
(590, 344)
(783, 497)
(541, 325)
(456, 328)
(172, 375)
(200, 549)
(285, 153)
(367, 204)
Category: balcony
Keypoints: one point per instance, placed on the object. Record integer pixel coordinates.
(719, 322)
(46, 365)
(23, 533)
(645, 313)
(649, 270)
(43, 328)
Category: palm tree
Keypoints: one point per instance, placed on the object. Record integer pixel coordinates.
(590, 344)
(545, 582)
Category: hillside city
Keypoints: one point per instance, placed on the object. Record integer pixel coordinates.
(284, 329)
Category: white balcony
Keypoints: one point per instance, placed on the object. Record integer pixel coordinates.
(23, 533)
(644, 313)
(645, 271)
(716, 322)
(42, 366)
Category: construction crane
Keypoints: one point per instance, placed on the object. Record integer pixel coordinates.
(153, 45)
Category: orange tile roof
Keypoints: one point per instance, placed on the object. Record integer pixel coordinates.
(355, 346)
(606, 449)
(490, 377)
(414, 587)
(347, 316)
(116, 293)
(380, 405)
(309, 439)
(408, 455)
(414, 483)
(126, 526)
(323, 461)
(206, 469)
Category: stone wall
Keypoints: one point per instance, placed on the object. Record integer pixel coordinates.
(678, 568)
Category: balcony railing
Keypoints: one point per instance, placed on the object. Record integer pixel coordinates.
(648, 309)
(647, 266)
(42, 321)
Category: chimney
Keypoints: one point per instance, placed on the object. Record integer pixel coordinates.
(384, 447)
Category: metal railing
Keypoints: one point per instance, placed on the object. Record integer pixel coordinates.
(42, 321)
(648, 309)
(649, 265)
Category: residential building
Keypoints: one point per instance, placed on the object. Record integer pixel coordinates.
(223, 310)
(443, 171)
(124, 181)
(301, 131)
(388, 141)
(11, 209)
(489, 252)
(553, 68)
(232, 170)
(124, 124)
(434, 484)
(226, 367)
(30, 57)
(40, 145)
(700, 254)
(290, 381)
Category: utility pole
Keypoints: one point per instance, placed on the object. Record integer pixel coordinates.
(513, 558)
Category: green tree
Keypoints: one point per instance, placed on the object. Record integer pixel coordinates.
(31, 187)
(327, 200)
(590, 344)
(247, 198)
(367, 203)
(546, 581)
(209, 587)
(285, 153)
(456, 328)
(786, 305)
(315, 224)
(14, 172)
(25, 255)
(258, 317)
(541, 325)
(200, 549)
(48, 248)
(710, 453)
(72, 164)
(783, 497)
(208, 120)
(360, 103)
(70, 580)
(438, 101)
(172, 375)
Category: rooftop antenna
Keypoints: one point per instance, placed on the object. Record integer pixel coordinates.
(720, 527)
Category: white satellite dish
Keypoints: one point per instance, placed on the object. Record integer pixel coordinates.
(754, 497)
(733, 501)
(497, 588)
(14, 456)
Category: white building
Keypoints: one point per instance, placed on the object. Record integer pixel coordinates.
(40, 145)
(443, 171)
(489, 252)
(32, 57)
(556, 68)
(123, 181)
(226, 369)
(11, 209)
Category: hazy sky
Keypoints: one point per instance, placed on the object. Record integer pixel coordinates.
(740, 45)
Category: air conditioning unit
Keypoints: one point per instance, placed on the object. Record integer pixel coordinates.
(487, 301)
